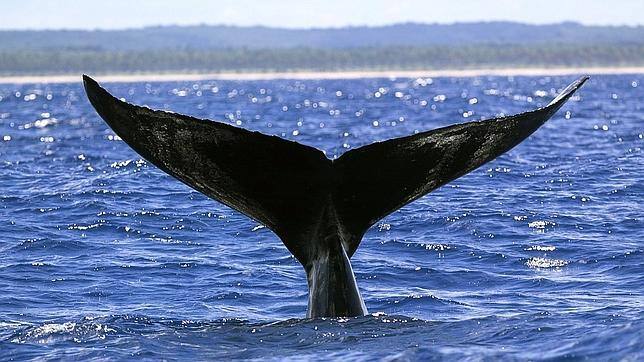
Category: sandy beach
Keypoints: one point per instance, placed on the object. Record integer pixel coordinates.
(161, 77)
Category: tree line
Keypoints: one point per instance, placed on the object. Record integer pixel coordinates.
(73, 61)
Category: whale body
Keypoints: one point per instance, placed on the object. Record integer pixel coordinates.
(319, 208)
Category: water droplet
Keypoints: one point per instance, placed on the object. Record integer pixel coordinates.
(540, 93)
(440, 98)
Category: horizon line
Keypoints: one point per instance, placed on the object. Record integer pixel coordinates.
(348, 26)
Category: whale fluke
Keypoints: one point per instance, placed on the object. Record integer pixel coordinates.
(380, 178)
(319, 208)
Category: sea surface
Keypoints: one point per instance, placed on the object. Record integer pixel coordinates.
(537, 255)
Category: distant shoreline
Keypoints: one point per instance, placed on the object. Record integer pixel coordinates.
(163, 77)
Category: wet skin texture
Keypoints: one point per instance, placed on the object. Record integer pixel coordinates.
(319, 208)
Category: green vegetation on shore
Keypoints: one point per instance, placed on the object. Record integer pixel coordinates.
(73, 61)
(213, 49)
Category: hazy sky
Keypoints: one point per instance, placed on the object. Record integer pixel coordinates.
(104, 14)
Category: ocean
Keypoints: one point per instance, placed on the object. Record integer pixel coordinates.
(537, 255)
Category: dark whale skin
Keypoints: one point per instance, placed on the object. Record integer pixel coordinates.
(319, 208)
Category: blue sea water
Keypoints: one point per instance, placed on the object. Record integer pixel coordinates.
(536, 255)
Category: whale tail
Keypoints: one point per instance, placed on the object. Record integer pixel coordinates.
(312, 203)
(285, 185)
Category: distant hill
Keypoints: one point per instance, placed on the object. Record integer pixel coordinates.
(226, 37)
(240, 49)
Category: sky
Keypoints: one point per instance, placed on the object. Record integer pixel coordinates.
(119, 14)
